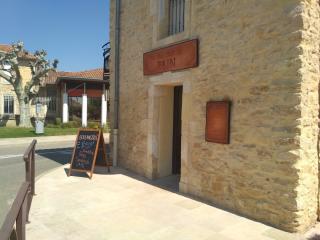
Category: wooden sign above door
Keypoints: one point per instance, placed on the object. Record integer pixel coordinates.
(218, 122)
(175, 57)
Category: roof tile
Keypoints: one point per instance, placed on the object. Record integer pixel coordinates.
(89, 74)
(7, 48)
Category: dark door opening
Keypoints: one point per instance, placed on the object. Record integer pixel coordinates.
(176, 139)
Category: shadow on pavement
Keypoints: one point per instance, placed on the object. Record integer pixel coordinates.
(59, 155)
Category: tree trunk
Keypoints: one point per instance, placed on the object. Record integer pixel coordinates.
(25, 120)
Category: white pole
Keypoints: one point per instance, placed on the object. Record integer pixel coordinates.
(65, 107)
(103, 107)
(84, 110)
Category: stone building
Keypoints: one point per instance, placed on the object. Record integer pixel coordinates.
(9, 105)
(262, 58)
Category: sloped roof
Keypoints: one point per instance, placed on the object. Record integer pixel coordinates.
(96, 74)
(25, 55)
(5, 47)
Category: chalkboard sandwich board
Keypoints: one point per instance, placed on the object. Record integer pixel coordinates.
(89, 145)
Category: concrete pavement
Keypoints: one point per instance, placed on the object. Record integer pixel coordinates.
(49, 155)
(51, 152)
(120, 205)
(124, 206)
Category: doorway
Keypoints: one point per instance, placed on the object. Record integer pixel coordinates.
(165, 137)
(176, 136)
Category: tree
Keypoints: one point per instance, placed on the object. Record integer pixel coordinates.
(10, 69)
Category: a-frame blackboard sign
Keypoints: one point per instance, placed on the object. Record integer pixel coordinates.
(89, 151)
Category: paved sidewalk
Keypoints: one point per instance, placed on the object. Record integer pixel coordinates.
(124, 206)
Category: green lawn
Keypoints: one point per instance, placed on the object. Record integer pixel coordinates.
(15, 132)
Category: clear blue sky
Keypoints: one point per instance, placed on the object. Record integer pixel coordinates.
(73, 31)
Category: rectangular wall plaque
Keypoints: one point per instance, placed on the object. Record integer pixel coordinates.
(176, 57)
(218, 122)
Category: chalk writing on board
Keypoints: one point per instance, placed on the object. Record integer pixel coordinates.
(85, 150)
(89, 148)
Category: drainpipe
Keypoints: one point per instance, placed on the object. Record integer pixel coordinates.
(116, 84)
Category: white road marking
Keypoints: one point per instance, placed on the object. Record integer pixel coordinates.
(10, 156)
(20, 155)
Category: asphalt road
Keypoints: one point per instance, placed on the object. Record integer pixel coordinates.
(12, 169)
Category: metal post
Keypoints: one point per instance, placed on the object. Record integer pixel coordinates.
(27, 167)
(116, 83)
(21, 221)
(33, 171)
(16, 216)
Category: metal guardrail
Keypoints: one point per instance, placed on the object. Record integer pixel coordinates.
(29, 157)
(13, 227)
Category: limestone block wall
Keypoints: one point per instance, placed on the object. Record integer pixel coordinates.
(263, 56)
(308, 167)
(135, 38)
(256, 62)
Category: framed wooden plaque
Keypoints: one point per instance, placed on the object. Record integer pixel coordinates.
(171, 58)
(218, 122)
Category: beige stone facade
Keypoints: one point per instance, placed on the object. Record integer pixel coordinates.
(6, 89)
(263, 56)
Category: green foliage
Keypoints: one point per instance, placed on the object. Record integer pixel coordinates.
(71, 124)
(77, 124)
(107, 127)
(16, 132)
(93, 124)
(58, 121)
(50, 125)
(96, 125)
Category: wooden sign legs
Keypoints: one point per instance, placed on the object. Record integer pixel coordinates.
(102, 154)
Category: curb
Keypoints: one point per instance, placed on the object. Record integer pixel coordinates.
(6, 141)
(27, 140)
